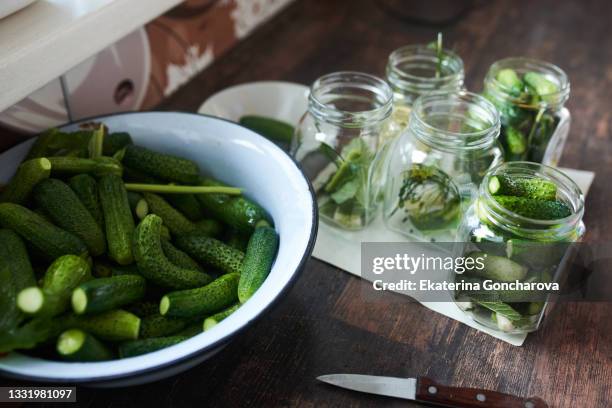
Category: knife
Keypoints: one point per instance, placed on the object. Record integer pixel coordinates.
(427, 391)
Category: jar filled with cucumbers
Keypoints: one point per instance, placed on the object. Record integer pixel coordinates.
(337, 143)
(530, 95)
(415, 70)
(521, 227)
(435, 167)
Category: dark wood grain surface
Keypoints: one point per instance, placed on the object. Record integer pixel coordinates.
(321, 326)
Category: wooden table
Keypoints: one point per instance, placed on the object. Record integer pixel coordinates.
(322, 326)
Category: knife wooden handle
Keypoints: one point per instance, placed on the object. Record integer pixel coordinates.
(430, 392)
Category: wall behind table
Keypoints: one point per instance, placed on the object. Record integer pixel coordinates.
(142, 69)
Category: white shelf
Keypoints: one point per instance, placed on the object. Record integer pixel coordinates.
(46, 39)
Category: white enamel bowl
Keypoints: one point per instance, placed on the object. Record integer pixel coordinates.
(236, 156)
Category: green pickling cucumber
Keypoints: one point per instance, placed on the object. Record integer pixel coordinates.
(86, 188)
(68, 212)
(113, 142)
(213, 320)
(29, 173)
(211, 252)
(212, 228)
(40, 146)
(76, 165)
(515, 142)
(138, 205)
(118, 219)
(498, 268)
(237, 240)
(536, 209)
(116, 325)
(164, 166)
(211, 298)
(14, 256)
(509, 80)
(50, 240)
(53, 297)
(176, 222)
(178, 257)
(159, 326)
(258, 260)
(237, 212)
(30, 334)
(191, 330)
(76, 345)
(144, 308)
(187, 204)
(154, 265)
(542, 85)
(144, 346)
(103, 294)
(535, 188)
(9, 313)
(269, 128)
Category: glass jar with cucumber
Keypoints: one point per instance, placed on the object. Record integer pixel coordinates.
(530, 95)
(435, 167)
(521, 226)
(415, 70)
(337, 144)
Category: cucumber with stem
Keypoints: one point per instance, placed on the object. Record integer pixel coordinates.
(29, 173)
(77, 345)
(103, 294)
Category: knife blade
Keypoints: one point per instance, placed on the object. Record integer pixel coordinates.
(425, 390)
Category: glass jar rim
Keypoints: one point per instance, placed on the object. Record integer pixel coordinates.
(532, 64)
(525, 168)
(381, 95)
(417, 50)
(479, 138)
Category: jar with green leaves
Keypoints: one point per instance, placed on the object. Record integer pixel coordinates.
(434, 168)
(530, 96)
(415, 70)
(337, 144)
(522, 228)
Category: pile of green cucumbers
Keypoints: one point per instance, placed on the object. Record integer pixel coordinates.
(112, 250)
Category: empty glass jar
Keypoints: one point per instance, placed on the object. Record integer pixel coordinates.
(415, 70)
(434, 168)
(521, 249)
(337, 143)
(530, 95)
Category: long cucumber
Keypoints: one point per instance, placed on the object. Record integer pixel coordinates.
(29, 173)
(101, 295)
(154, 265)
(52, 241)
(68, 212)
(14, 256)
(211, 298)
(258, 260)
(118, 219)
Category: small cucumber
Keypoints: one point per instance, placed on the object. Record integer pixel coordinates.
(212, 228)
(516, 142)
(113, 142)
(53, 298)
(76, 165)
(117, 218)
(52, 241)
(29, 173)
(237, 240)
(144, 346)
(76, 345)
(164, 166)
(211, 252)
(154, 265)
(219, 294)
(116, 325)
(497, 268)
(10, 315)
(159, 326)
(237, 212)
(86, 188)
(103, 294)
(510, 81)
(41, 144)
(178, 257)
(535, 188)
(176, 222)
(542, 85)
(187, 204)
(258, 261)
(138, 205)
(191, 330)
(536, 209)
(144, 308)
(213, 320)
(30, 334)
(269, 128)
(14, 256)
(68, 212)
